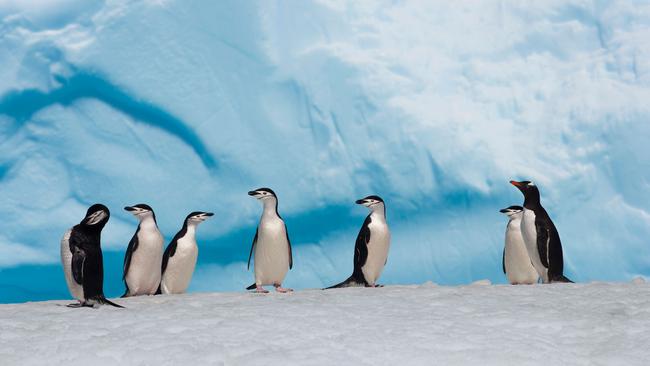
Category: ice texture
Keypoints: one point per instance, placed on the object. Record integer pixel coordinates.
(582, 324)
(433, 105)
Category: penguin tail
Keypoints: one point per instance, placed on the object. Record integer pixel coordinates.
(251, 287)
(561, 278)
(352, 281)
(104, 301)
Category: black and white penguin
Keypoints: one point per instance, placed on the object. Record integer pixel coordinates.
(271, 245)
(371, 248)
(516, 262)
(143, 258)
(540, 235)
(180, 256)
(81, 256)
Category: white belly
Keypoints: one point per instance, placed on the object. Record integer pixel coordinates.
(143, 277)
(377, 251)
(271, 260)
(529, 233)
(76, 290)
(180, 267)
(519, 268)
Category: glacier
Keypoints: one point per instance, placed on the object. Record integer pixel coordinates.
(435, 106)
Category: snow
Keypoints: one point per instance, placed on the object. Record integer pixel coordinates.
(433, 105)
(573, 324)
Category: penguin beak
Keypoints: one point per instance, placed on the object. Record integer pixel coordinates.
(253, 193)
(129, 208)
(503, 210)
(360, 202)
(516, 184)
(208, 214)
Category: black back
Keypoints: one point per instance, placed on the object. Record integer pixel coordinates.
(87, 260)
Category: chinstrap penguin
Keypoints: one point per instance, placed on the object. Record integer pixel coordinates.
(516, 263)
(372, 245)
(271, 246)
(540, 235)
(81, 256)
(180, 256)
(143, 258)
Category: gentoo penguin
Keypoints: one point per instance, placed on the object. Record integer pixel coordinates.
(143, 258)
(516, 263)
(271, 245)
(81, 256)
(180, 256)
(371, 248)
(540, 235)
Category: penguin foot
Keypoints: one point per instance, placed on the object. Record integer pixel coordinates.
(75, 305)
(282, 290)
(261, 290)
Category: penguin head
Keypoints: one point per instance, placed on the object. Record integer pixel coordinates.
(141, 211)
(528, 189)
(263, 194)
(97, 216)
(372, 202)
(512, 211)
(198, 217)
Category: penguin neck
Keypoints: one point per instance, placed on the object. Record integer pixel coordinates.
(378, 211)
(190, 229)
(148, 223)
(531, 199)
(270, 207)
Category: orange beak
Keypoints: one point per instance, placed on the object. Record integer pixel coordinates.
(515, 183)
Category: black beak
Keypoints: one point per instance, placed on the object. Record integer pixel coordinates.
(252, 193)
(208, 214)
(129, 208)
(503, 210)
(360, 202)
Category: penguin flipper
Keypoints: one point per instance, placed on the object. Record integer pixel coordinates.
(169, 252)
(543, 239)
(503, 261)
(250, 255)
(361, 246)
(78, 260)
(130, 249)
(289, 242)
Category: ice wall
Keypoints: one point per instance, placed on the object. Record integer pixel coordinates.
(433, 105)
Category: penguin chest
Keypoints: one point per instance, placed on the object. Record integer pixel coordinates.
(143, 277)
(377, 251)
(271, 252)
(180, 267)
(529, 233)
(76, 290)
(519, 268)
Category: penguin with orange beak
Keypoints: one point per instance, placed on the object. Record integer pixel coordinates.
(540, 235)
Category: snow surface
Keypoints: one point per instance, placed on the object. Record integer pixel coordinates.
(433, 105)
(581, 324)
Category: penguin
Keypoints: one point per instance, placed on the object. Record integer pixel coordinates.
(271, 244)
(143, 258)
(372, 245)
(516, 263)
(180, 256)
(81, 256)
(540, 235)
